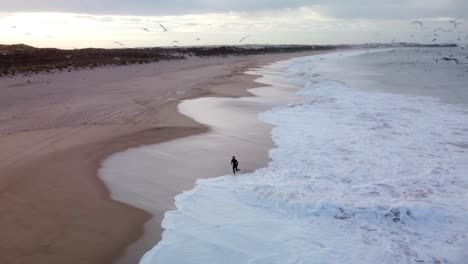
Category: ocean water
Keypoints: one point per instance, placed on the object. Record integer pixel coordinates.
(371, 167)
(412, 71)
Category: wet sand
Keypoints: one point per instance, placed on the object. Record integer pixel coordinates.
(55, 130)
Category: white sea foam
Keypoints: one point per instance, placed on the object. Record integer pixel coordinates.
(357, 177)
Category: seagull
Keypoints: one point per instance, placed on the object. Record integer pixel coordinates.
(451, 59)
(455, 23)
(163, 27)
(242, 39)
(175, 41)
(118, 43)
(417, 22)
(145, 29)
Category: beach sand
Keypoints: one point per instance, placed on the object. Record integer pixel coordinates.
(55, 130)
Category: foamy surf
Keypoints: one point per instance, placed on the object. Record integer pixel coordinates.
(357, 177)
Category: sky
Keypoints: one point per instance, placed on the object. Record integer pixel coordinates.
(120, 23)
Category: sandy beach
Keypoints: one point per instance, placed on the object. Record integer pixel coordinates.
(56, 130)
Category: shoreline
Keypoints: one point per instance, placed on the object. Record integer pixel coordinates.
(152, 175)
(49, 176)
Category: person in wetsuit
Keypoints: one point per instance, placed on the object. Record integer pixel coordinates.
(234, 164)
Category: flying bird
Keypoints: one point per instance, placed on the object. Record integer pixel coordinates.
(163, 27)
(455, 23)
(13, 26)
(197, 39)
(118, 43)
(242, 39)
(438, 29)
(434, 39)
(451, 59)
(145, 29)
(418, 23)
(175, 41)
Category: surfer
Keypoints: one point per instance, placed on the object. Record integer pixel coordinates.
(234, 164)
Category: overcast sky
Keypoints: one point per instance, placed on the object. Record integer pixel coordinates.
(98, 23)
(334, 8)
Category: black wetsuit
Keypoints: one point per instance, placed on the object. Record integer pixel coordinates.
(234, 164)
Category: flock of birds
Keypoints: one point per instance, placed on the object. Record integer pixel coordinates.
(455, 23)
(175, 42)
(435, 32)
(164, 29)
(435, 35)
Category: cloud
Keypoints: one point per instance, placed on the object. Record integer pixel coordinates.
(335, 8)
(396, 9)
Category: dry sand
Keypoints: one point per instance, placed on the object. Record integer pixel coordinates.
(56, 129)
